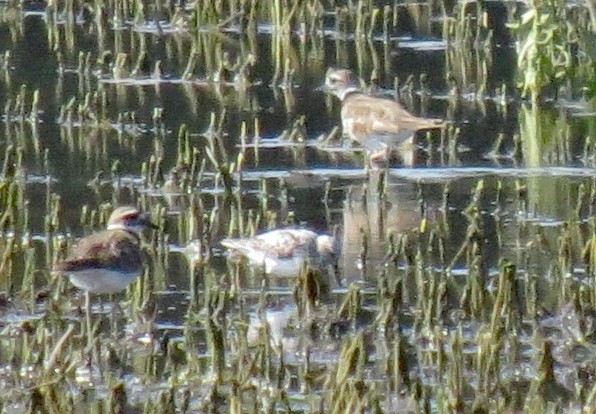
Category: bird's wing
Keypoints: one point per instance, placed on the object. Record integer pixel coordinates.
(282, 244)
(379, 115)
(97, 249)
(286, 243)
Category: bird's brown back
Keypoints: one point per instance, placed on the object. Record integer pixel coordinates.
(368, 115)
(106, 249)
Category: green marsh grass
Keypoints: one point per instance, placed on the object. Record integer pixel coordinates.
(547, 34)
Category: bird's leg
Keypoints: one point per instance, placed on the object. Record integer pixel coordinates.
(407, 152)
(88, 310)
(379, 159)
(115, 310)
(337, 274)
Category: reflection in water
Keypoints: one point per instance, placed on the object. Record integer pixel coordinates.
(371, 214)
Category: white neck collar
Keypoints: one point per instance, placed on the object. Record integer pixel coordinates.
(121, 226)
(342, 94)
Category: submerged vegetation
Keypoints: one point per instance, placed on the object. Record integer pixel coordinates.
(467, 283)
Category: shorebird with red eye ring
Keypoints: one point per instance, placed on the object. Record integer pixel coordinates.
(110, 260)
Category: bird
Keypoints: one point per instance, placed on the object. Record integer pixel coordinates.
(110, 260)
(376, 123)
(283, 252)
(107, 261)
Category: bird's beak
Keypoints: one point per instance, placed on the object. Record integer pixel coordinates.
(322, 88)
(146, 221)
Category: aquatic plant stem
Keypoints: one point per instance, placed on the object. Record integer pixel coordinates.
(592, 10)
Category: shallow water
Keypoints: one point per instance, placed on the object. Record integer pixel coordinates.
(423, 249)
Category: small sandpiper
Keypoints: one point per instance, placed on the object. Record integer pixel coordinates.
(110, 260)
(283, 252)
(376, 123)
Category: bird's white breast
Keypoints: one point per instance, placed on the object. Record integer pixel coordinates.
(103, 280)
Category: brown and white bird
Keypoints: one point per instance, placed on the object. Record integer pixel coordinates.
(283, 252)
(110, 260)
(378, 124)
